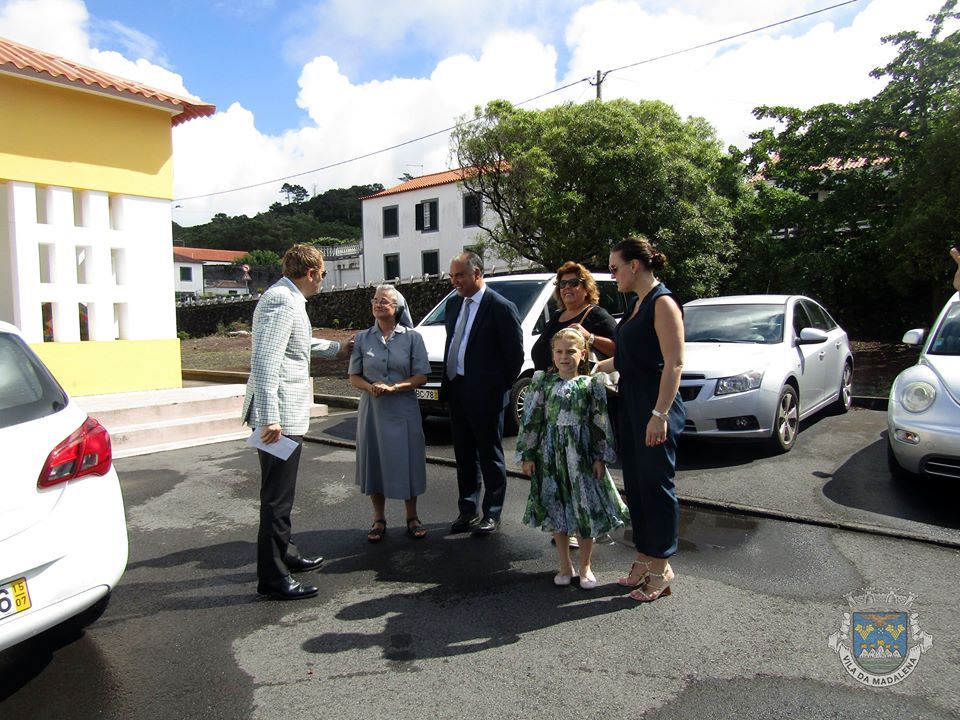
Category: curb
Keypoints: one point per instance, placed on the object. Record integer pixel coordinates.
(720, 505)
(238, 377)
(345, 401)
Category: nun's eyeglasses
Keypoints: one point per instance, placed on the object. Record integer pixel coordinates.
(380, 302)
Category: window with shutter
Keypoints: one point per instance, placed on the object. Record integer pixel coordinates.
(391, 223)
(431, 262)
(391, 266)
(471, 210)
(426, 216)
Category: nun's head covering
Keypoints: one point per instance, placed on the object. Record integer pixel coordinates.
(402, 313)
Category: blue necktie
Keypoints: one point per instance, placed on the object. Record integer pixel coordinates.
(454, 351)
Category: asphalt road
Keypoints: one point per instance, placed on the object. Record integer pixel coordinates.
(454, 626)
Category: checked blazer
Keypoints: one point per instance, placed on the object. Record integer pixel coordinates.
(279, 389)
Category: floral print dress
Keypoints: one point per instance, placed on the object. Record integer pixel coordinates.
(564, 429)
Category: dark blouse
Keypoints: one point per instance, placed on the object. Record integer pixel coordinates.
(599, 322)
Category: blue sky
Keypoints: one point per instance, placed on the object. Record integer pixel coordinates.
(303, 84)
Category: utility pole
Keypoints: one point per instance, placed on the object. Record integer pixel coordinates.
(601, 76)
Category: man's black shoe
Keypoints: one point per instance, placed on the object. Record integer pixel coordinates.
(303, 564)
(286, 589)
(487, 526)
(465, 523)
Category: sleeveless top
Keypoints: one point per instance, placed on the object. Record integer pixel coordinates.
(638, 357)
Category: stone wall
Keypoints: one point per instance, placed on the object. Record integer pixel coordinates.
(337, 308)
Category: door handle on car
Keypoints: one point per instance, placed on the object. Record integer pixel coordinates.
(821, 354)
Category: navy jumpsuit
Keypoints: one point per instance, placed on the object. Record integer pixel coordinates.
(647, 471)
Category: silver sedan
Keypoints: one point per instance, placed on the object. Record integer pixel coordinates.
(756, 365)
(923, 414)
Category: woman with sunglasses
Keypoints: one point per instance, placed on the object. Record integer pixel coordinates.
(388, 363)
(577, 297)
(649, 358)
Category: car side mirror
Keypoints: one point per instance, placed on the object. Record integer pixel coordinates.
(914, 337)
(811, 336)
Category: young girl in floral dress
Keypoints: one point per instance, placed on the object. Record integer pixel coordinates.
(563, 447)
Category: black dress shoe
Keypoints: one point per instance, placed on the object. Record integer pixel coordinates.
(465, 523)
(286, 589)
(303, 564)
(487, 526)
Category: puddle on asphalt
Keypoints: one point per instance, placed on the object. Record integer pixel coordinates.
(702, 529)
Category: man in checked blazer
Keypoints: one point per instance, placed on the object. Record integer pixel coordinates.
(279, 395)
(482, 357)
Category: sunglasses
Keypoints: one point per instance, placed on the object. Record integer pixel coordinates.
(567, 283)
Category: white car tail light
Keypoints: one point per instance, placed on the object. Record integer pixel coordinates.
(86, 452)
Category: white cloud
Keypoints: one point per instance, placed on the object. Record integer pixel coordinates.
(724, 83)
(369, 35)
(56, 26)
(827, 59)
(350, 120)
(62, 27)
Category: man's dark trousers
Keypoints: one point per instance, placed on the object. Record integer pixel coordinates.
(478, 447)
(278, 486)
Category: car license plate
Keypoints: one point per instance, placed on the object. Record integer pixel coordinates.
(14, 597)
(424, 394)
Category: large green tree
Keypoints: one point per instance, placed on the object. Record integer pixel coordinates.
(567, 182)
(862, 198)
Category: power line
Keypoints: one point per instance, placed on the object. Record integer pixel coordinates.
(598, 82)
(729, 37)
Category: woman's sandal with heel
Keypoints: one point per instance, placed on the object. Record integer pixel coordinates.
(633, 578)
(650, 591)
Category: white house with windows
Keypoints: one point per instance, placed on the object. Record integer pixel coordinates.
(416, 227)
(189, 276)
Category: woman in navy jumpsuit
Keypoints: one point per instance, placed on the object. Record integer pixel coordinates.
(649, 358)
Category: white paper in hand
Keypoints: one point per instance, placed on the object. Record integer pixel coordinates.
(282, 448)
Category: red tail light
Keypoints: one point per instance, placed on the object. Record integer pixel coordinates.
(86, 452)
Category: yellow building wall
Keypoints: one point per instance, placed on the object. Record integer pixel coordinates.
(98, 368)
(52, 135)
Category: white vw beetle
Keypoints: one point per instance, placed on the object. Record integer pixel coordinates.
(923, 413)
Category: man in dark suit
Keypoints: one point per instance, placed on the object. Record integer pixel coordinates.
(482, 358)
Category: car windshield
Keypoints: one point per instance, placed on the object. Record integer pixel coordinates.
(521, 293)
(747, 323)
(27, 389)
(946, 341)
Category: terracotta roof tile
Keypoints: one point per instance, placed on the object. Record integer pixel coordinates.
(26, 61)
(207, 255)
(424, 181)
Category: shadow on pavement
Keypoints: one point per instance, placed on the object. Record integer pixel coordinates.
(477, 599)
(858, 484)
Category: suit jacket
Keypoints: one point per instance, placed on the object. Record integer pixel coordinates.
(279, 389)
(494, 352)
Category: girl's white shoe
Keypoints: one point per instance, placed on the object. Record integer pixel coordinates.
(588, 582)
(564, 580)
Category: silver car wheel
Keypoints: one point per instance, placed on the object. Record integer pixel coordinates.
(787, 421)
(845, 400)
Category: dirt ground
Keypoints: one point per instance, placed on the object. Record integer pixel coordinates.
(876, 363)
(220, 352)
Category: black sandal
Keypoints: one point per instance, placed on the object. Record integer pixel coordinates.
(418, 531)
(377, 530)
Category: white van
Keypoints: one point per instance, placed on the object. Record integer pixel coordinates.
(533, 296)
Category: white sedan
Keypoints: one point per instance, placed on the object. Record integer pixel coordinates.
(923, 414)
(756, 365)
(63, 534)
